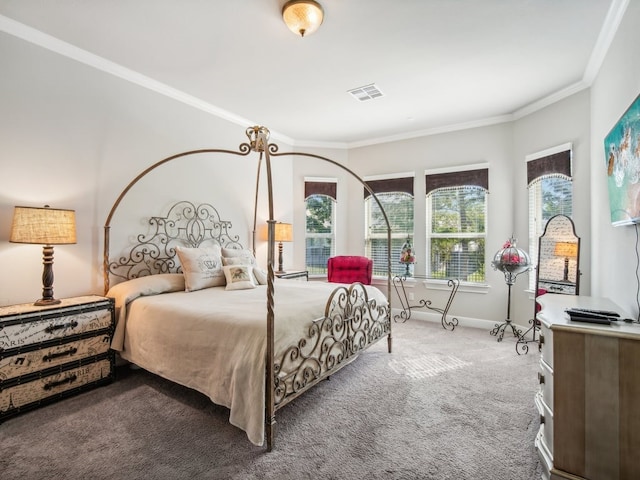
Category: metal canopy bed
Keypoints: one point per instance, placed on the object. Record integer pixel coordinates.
(287, 362)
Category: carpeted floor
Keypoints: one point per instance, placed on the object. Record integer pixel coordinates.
(444, 405)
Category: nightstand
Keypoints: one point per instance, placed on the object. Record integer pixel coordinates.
(53, 352)
(293, 274)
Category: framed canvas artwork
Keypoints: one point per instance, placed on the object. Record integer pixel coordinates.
(622, 156)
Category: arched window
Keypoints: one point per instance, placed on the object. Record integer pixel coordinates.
(320, 203)
(550, 193)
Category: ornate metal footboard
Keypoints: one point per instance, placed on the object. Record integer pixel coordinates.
(351, 323)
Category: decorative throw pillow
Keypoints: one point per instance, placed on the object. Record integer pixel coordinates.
(239, 277)
(202, 267)
(246, 256)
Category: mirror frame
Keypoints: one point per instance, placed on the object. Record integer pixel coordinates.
(563, 287)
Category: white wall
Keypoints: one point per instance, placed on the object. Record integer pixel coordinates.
(613, 249)
(563, 122)
(492, 145)
(73, 137)
(504, 147)
(310, 167)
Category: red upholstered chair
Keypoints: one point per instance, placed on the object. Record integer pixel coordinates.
(536, 322)
(349, 269)
(541, 291)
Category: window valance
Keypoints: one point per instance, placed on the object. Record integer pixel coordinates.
(477, 178)
(554, 165)
(330, 189)
(387, 185)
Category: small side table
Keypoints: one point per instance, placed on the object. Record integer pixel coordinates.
(405, 314)
(293, 274)
(52, 352)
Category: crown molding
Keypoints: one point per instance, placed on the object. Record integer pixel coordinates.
(68, 50)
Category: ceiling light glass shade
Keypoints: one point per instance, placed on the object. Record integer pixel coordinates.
(303, 17)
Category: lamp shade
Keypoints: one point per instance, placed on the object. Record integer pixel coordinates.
(303, 17)
(44, 226)
(566, 249)
(283, 232)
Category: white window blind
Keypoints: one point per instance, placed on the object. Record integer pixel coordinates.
(396, 197)
(457, 224)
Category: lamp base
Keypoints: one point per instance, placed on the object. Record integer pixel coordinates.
(44, 302)
(47, 278)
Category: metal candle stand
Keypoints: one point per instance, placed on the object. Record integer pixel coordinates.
(512, 261)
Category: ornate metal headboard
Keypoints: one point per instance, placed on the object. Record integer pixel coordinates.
(185, 224)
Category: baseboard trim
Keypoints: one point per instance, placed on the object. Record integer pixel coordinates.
(462, 321)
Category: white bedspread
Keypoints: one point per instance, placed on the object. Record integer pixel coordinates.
(214, 340)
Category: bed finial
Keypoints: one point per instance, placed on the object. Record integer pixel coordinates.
(258, 138)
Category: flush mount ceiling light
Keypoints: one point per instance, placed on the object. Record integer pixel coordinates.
(303, 17)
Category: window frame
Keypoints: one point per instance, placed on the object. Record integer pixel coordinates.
(329, 192)
(465, 176)
(381, 185)
(554, 165)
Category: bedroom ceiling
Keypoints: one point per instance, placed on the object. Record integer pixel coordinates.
(440, 64)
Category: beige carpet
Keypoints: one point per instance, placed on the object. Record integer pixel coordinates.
(444, 405)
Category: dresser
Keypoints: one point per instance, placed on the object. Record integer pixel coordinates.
(589, 395)
(52, 352)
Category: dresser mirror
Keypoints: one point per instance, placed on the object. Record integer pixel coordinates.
(558, 258)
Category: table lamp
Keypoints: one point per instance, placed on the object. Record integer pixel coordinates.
(48, 227)
(566, 250)
(283, 233)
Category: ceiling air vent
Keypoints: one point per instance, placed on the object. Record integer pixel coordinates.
(368, 92)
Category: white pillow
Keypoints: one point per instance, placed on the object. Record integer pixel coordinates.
(239, 277)
(246, 256)
(202, 267)
(260, 275)
(127, 291)
(233, 256)
(240, 260)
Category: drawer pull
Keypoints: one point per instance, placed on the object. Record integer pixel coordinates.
(540, 342)
(69, 379)
(51, 356)
(53, 328)
(540, 378)
(541, 419)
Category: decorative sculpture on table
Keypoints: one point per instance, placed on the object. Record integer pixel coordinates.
(407, 258)
(512, 261)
